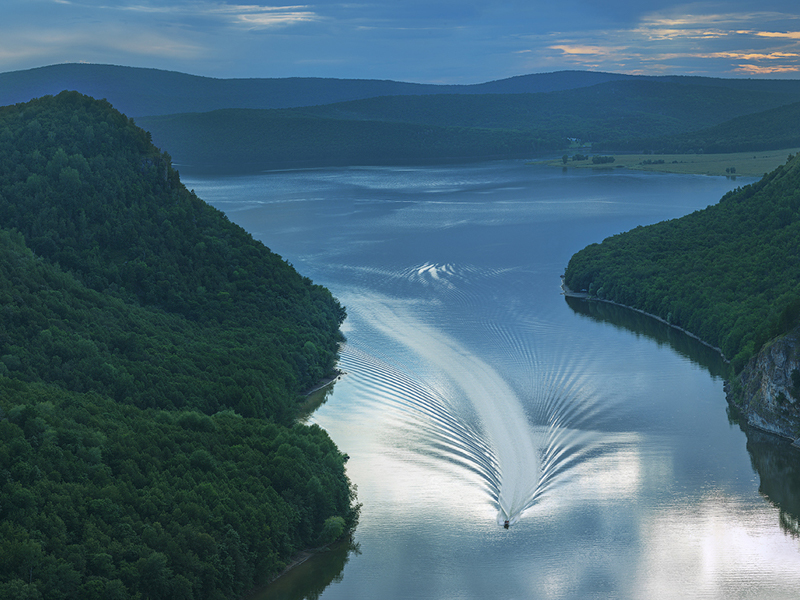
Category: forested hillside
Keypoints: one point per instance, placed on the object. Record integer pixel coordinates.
(631, 115)
(607, 112)
(240, 141)
(151, 356)
(730, 273)
(774, 129)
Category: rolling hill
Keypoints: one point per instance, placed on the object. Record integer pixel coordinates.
(137, 92)
(209, 123)
(626, 114)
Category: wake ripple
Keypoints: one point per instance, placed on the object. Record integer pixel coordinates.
(422, 409)
(521, 430)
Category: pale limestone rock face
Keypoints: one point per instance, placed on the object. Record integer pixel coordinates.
(767, 394)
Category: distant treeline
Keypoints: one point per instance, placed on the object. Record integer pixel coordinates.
(730, 273)
(151, 357)
(252, 140)
(629, 115)
(773, 129)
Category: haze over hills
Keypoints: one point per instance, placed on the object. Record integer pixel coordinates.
(137, 92)
(248, 125)
(629, 115)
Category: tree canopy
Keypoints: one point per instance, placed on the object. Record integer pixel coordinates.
(729, 274)
(151, 358)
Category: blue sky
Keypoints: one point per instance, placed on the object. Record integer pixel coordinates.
(436, 41)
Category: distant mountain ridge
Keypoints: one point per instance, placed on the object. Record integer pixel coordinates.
(248, 125)
(632, 114)
(138, 91)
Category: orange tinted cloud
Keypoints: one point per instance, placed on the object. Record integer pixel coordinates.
(767, 70)
(789, 35)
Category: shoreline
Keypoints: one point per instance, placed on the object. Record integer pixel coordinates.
(743, 164)
(566, 291)
(296, 560)
(726, 386)
(325, 382)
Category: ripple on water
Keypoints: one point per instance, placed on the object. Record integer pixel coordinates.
(521, 440)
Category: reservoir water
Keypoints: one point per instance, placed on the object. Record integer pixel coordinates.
(477, 393)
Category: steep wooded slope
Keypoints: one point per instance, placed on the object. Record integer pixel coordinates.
(151, 355)
(729, 273)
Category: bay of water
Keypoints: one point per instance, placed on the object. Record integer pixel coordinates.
(476, 392)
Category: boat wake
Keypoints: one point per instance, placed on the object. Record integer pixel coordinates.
(521, 444)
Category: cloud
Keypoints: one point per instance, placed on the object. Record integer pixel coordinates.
(257, 16)
(768, 69)
(248, 15)
(91, 42)
(754, 55)
(789, 35)
(453, 41)
(704, 43)
(275, 17)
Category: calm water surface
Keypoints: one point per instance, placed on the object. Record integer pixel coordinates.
(475, 392)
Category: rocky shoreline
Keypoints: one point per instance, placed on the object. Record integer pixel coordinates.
(767, 392)
(583, 295)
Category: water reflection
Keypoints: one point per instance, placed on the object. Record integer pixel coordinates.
(308, 580)
(315, 399)
(774, 459)
(641, 324)
(776, 462)
(663, 504)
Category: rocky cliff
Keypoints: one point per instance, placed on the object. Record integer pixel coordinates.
(767, 392)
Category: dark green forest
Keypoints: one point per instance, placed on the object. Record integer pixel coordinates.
(729, 274)
(773, 129)
(240, 140)
(151, 358)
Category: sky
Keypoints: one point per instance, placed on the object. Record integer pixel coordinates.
(425, 41)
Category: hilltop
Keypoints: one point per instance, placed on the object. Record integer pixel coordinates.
(151, 358)
(148, 92)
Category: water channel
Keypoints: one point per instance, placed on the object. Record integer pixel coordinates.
(477, 393)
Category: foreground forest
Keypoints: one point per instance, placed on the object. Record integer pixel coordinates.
(729, 274)
(151, 358)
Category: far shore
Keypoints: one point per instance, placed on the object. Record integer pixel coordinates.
(737, 164)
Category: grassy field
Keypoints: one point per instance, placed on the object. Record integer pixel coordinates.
(746, 164)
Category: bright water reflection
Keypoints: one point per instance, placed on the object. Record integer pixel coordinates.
(475, 391)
